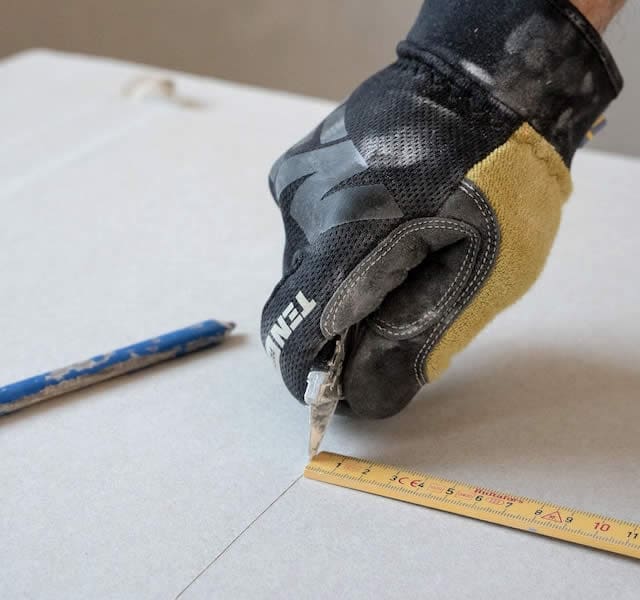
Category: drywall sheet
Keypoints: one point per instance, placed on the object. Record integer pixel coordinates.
(123, 219)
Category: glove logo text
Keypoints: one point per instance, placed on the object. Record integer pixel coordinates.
(287, 322)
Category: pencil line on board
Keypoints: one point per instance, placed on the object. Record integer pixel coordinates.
(206, 568)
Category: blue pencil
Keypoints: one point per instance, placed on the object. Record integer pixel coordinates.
(106, 366)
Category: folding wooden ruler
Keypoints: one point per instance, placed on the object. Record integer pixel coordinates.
(517, 512)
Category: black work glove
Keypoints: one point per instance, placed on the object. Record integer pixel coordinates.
(428, 201)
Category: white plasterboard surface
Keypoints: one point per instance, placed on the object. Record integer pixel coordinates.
(122, 220)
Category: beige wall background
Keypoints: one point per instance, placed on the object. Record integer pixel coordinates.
(320, 48)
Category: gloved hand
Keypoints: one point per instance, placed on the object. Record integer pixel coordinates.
(428, 201)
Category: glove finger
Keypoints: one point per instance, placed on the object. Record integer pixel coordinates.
(450, 256)
(381, 374)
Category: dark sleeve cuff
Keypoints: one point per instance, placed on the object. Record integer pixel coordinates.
(541, 58)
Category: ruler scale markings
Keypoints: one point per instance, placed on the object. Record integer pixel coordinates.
(519, 512)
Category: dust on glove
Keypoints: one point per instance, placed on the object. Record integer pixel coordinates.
(428, 201)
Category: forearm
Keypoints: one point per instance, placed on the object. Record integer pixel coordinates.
(599, 12)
